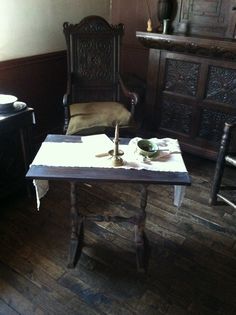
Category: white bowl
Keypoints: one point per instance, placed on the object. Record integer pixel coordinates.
(7, 102)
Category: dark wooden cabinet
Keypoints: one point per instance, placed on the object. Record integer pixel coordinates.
(190, 96)
(15, 151)
(196, 97)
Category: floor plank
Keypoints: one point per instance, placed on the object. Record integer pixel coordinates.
(192, 265)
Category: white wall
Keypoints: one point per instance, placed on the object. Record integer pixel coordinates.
(32, 27)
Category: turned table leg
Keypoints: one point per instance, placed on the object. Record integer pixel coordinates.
(76, 224)
(139, 231)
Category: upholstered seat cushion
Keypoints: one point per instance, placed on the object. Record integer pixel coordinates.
(96, 114)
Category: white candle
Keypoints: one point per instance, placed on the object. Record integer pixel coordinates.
(116, 140)
(117, 132)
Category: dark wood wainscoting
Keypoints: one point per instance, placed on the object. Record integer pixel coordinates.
(40, 81)
(134, 15)
(134, 61)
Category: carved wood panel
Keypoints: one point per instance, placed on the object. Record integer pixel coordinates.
(212, 124)
(176, 116)
(95, 61)
(181, 77)
(221, 85)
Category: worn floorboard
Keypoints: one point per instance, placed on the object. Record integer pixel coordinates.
(192, 259)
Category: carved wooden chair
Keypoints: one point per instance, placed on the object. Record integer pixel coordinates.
(92, 101)
(226, 156)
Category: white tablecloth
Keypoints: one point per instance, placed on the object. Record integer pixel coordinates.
(69, 154)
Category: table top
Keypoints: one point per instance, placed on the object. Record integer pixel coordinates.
(14, 113)
(16, 119)
(90, 174)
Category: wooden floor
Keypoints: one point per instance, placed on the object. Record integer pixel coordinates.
(192, 266)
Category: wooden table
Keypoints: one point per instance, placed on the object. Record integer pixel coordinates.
(94, 174)
(16, 150)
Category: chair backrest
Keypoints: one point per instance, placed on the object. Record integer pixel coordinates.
(93, 59)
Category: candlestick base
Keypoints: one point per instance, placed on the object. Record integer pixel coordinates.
(116, 158)
(117, 161)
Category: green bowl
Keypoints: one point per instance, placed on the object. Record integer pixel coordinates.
(147, 148)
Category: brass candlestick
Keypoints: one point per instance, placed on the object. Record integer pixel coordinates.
(116, 153)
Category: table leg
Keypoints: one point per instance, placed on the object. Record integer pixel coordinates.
(26, 149)
(76, 227)
(139, 231)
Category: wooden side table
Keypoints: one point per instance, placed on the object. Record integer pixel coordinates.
(15, 150)
(75, 174)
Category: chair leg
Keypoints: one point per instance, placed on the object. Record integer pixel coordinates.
(216, 183)
(220, 163)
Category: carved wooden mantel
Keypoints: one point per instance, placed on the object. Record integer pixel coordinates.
(199, 46)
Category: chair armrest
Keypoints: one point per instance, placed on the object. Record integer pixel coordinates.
(66, 112)
(231, 123)
(65, 100)
(129, 94)
(67, 96)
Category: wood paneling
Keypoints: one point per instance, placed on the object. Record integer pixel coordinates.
(215, 18)
(40, 81)
(134, 15)
(207, 17)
